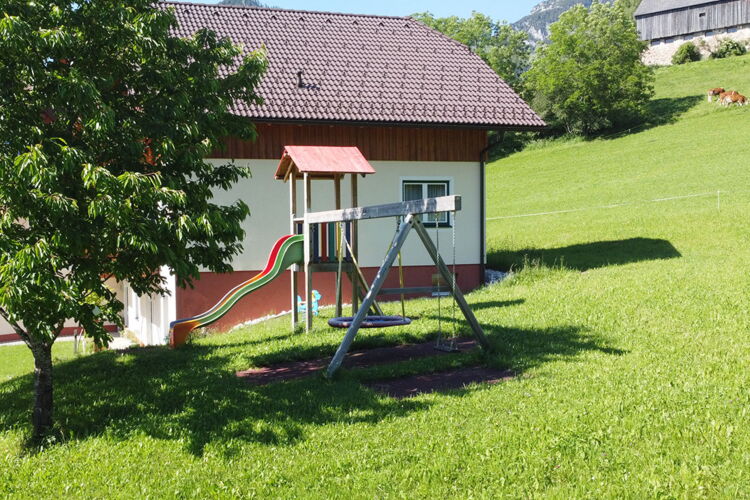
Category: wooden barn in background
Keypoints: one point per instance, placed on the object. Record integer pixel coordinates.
(667, 24)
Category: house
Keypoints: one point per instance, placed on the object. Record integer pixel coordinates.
(667, 24)
(417, 104)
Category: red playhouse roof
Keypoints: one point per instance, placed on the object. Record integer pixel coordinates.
(322, 161)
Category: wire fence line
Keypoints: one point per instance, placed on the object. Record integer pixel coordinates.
(716, 194)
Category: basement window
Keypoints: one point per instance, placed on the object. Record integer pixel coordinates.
(418, 189)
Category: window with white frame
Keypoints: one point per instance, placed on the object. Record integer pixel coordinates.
(418, 189)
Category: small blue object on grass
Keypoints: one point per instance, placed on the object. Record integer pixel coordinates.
(302, 305)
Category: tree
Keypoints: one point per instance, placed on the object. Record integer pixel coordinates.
(687, 52)
(590, 76)
(728, 48)
(505, 49)
(629, 6)
(105, 120)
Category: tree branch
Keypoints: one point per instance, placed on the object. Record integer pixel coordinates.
(16, 327)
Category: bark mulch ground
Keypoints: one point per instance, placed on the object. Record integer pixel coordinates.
(356, 359)
(407, 387)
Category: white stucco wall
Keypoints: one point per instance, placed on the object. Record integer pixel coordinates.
(5, 328)
(660, 52)
(269, 205)
(148, 317)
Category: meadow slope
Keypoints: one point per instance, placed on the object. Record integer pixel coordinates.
(626, 322)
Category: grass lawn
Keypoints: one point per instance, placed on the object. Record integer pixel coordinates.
(627, 326)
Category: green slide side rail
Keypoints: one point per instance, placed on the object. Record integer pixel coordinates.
(290, 252)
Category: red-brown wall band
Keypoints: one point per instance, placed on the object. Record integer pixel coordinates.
(376, 143)
(68, 331)
(275, 297)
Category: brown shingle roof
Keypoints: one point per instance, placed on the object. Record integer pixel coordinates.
(357, 68)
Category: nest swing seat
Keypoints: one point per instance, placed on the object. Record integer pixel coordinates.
(370, 321)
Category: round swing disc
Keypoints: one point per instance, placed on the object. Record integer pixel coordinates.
(370, 321)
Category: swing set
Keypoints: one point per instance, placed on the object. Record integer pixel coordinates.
(410, 214)
(379, 321)
(331, 244)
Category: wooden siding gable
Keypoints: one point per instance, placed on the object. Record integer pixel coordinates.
(694, 19)
(375, 143)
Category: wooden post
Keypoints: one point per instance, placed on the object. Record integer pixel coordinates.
(308, 256)
(355, 248)
(337, 191)
(377, 284)
(339, 245)
(292, 230)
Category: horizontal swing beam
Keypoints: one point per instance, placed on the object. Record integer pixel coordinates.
(425, 206)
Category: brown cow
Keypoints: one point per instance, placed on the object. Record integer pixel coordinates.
(714, 93)
(734, 98)
(723, 95)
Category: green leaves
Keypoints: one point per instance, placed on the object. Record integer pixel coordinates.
(590, 76)
(505, 49)
(102, 171)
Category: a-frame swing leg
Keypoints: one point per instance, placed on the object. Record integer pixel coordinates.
(377, 284)
(455, 290)
(359, 283)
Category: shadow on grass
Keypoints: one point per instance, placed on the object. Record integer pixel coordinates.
(587, 256)
(369, 339)
(669, 109)
(246, 343)
(190, 395)
(494, 304)
(522, 349)
(659, 112)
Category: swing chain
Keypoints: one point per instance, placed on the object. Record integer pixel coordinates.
(453, 312)
(448, 345)
(439, 293)
(401, 280)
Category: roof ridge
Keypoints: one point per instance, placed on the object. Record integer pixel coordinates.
(278, 9)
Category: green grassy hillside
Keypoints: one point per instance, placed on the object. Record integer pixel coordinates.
(646, 255)
(703, 149)
(626, 321)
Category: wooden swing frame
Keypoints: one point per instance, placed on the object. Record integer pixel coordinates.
(410, 211)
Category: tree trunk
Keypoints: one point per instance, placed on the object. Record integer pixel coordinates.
(42, 416)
